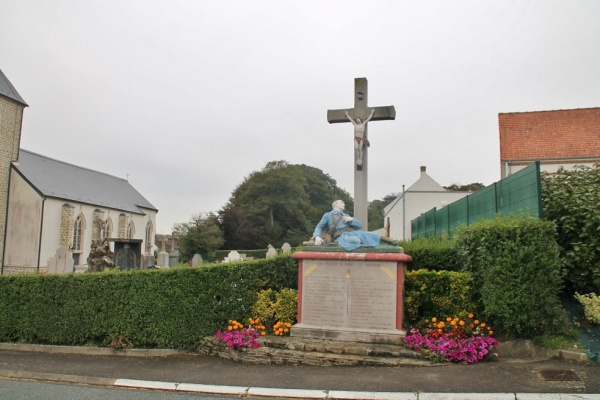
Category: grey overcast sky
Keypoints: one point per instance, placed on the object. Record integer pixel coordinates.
(187, 98)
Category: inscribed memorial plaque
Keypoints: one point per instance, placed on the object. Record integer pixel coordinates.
(352, 294)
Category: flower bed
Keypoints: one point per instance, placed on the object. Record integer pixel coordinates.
(455, 339)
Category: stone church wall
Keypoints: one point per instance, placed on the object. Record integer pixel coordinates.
(11, 117)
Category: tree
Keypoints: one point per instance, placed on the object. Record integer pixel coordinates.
(201, 235)
(470, 187)
(376, 208)
(280, 203)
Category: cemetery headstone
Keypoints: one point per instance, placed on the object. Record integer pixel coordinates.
(271, 252)
(196, 260)
(232, 256)
(61, 263)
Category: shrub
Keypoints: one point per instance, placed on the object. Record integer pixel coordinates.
(591, 306)
(166, 308)
(429, 293)
(516, 270)
(272, 307)
(432, 253)
(571, 199)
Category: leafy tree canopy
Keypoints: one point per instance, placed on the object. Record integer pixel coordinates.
(470, 187)
(201, 235)
(376, 207)
(280, 203)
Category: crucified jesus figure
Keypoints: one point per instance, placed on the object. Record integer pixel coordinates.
(359, 136)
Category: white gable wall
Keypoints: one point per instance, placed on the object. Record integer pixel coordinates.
(419, 198)
(411, 205)
(23, 223)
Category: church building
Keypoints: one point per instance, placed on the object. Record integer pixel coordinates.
(47, 204)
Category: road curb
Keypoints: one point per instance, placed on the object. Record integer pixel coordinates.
(92, 351)
(37, 376)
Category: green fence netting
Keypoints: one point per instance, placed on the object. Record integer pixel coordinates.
(518, 193)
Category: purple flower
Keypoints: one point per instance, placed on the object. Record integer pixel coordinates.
(239, 338)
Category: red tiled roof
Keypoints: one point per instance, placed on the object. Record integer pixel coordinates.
(559, 134)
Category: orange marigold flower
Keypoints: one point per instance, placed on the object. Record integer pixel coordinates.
(490, 333)
(434, 319)
(471, 315)
(448, 319)
(453, 323)
(476, 322)
(461, 323)
(483, 325)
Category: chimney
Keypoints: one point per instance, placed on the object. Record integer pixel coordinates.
(423, 169)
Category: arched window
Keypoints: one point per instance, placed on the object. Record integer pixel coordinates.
(148, 239)
(107, 229)
(78, 229)
(130, 230)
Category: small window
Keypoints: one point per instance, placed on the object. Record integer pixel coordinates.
(130, 230)
(77, 234)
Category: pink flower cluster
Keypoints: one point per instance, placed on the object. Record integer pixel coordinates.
(239, 338)
(451, 347)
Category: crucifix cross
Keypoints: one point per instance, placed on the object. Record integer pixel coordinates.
(361, 142)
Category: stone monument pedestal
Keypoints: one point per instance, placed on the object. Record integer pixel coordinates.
(351, 296)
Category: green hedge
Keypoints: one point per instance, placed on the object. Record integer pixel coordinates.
(516, 272)
(170, 308)
(436, 294)
(432, 253)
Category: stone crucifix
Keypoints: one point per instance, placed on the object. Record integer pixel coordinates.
(359, 116)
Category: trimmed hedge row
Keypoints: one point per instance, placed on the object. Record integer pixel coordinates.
(437, 294)
(517, 274)
(432, 253)
(150, 308)
(512, 278)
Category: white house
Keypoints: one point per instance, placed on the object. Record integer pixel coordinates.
(420, 197)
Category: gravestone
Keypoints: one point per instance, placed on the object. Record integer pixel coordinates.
(61, 263)
(174, 258)
(271, 252)
(286, 248)
(196, 260)
(163, 256)
(232, 256)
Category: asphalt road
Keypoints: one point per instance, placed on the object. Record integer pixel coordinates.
(504, 376)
